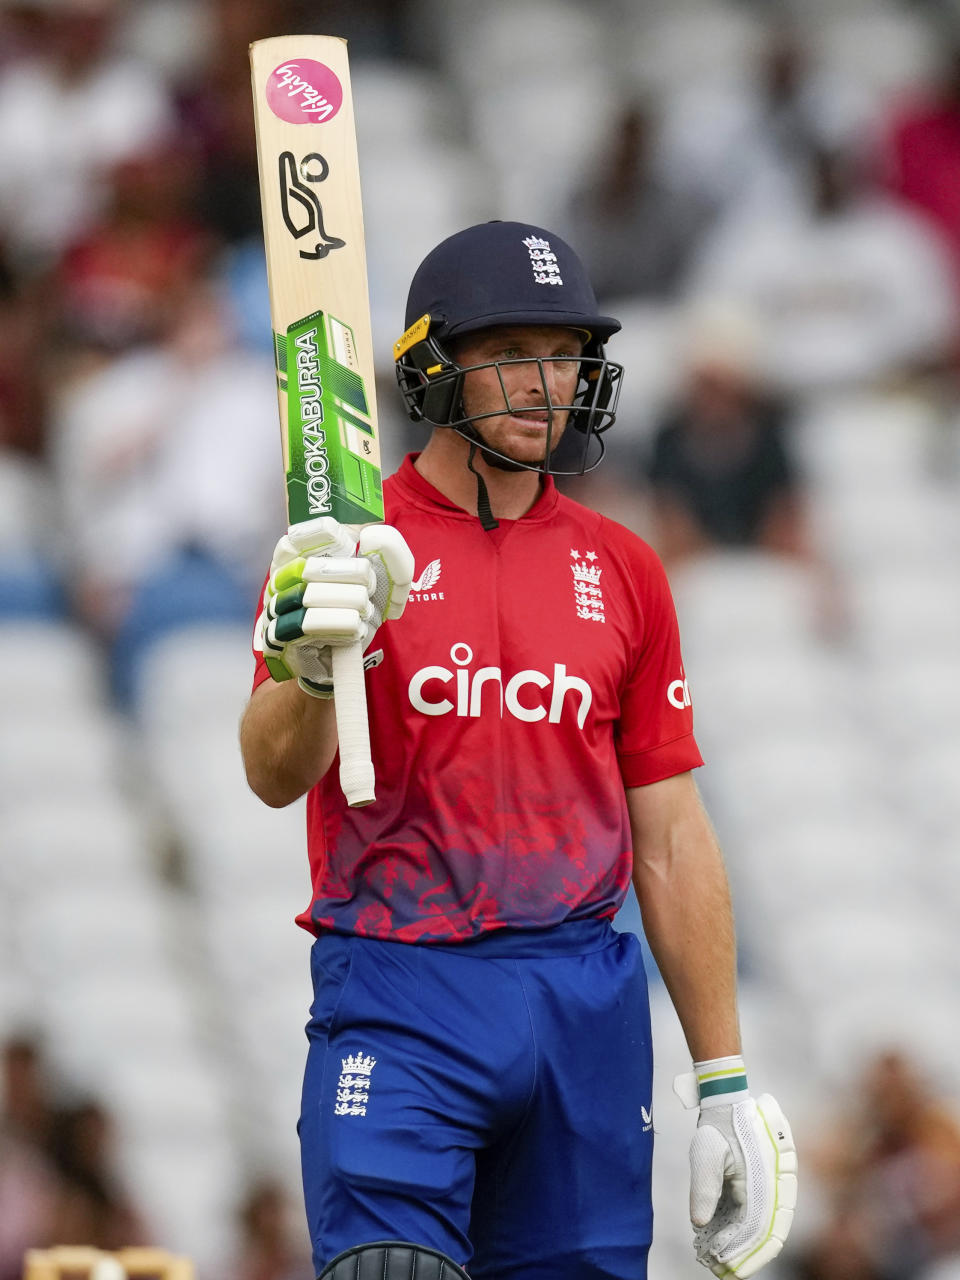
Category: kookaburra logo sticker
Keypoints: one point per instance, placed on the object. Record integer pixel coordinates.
(302, 210)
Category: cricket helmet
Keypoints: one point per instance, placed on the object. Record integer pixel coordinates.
(504, 273)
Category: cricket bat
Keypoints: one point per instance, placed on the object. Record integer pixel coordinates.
(320, 314)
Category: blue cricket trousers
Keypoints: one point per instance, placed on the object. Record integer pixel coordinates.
(491, 1100)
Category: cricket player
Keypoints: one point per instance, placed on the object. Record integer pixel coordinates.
(478, 1088)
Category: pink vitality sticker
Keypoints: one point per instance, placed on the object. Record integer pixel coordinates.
(302, 91)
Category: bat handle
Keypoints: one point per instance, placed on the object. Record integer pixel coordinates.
(350, 701)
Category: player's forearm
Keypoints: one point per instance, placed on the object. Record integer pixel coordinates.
(684, 897)
(288, 741)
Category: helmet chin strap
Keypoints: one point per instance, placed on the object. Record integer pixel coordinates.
(478, 444)
(484, 510)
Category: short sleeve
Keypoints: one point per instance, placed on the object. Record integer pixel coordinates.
(260, 672)
(655, 731)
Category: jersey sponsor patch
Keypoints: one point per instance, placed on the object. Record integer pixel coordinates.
(528, 695)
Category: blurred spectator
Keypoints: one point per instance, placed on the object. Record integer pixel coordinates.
(22, 335)
(921, 148)
(67, 114)
(743, 143)
(27, 1092)
(635, 234)
(271, 1245)
(91, 1205)
(891, 1168)
(114, 284)
(849, 288)
(167, 462)
(23, 31)
(217, 115)
(720, 470)
(28, 1181)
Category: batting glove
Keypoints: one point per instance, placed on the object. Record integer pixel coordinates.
(743, 1170)
(326, 591)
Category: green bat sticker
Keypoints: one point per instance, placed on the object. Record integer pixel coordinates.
(329, 433)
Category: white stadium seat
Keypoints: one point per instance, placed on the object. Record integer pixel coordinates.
(774, 693)
(76, 840)
(807, 771)
(190, 1191)
(913, 699)
(851, 946)
(871, 532)
(122, 1013)
(80, 747)
(688, 43)
(883, 47)
(395, 102)
(866, 441)
(787, 867)
(72, 667)
(912, 610)
(197, 674)
(739, 601)
(497, 45)
(100, 927)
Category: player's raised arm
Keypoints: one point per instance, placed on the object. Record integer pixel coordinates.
(320, 595)
(288, 741)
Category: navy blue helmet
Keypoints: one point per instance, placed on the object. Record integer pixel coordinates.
(504, 273)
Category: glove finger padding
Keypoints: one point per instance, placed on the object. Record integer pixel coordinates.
(322, 594)
(393, 560)
(321, 537)
(743, 1163)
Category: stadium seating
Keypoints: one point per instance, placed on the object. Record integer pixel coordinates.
(147, 898)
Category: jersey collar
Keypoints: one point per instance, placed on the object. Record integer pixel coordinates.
(425, 495)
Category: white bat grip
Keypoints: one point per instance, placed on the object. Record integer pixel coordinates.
(350, 701)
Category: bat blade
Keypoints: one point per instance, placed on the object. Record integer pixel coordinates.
(320, 315)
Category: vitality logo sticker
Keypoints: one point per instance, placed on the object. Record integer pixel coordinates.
(304, 91)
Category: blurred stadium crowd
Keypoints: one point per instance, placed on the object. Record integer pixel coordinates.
(768, 195)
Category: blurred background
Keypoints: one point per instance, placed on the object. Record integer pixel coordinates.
(768, 195)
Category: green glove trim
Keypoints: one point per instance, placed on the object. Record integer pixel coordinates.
(289, 575)
(289, 598)
(732, 1084)
(278, 670)
(289, 626)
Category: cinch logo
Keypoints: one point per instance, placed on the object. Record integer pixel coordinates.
(427, 691)
(678, 695)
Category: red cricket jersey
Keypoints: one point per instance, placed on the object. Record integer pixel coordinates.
(536, 671)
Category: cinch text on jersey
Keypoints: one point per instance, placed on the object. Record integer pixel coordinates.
(469, 689)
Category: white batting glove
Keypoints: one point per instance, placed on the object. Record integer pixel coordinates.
(326, 591)
(743, 1170)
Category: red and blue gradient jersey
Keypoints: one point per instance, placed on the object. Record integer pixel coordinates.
(535, 673)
